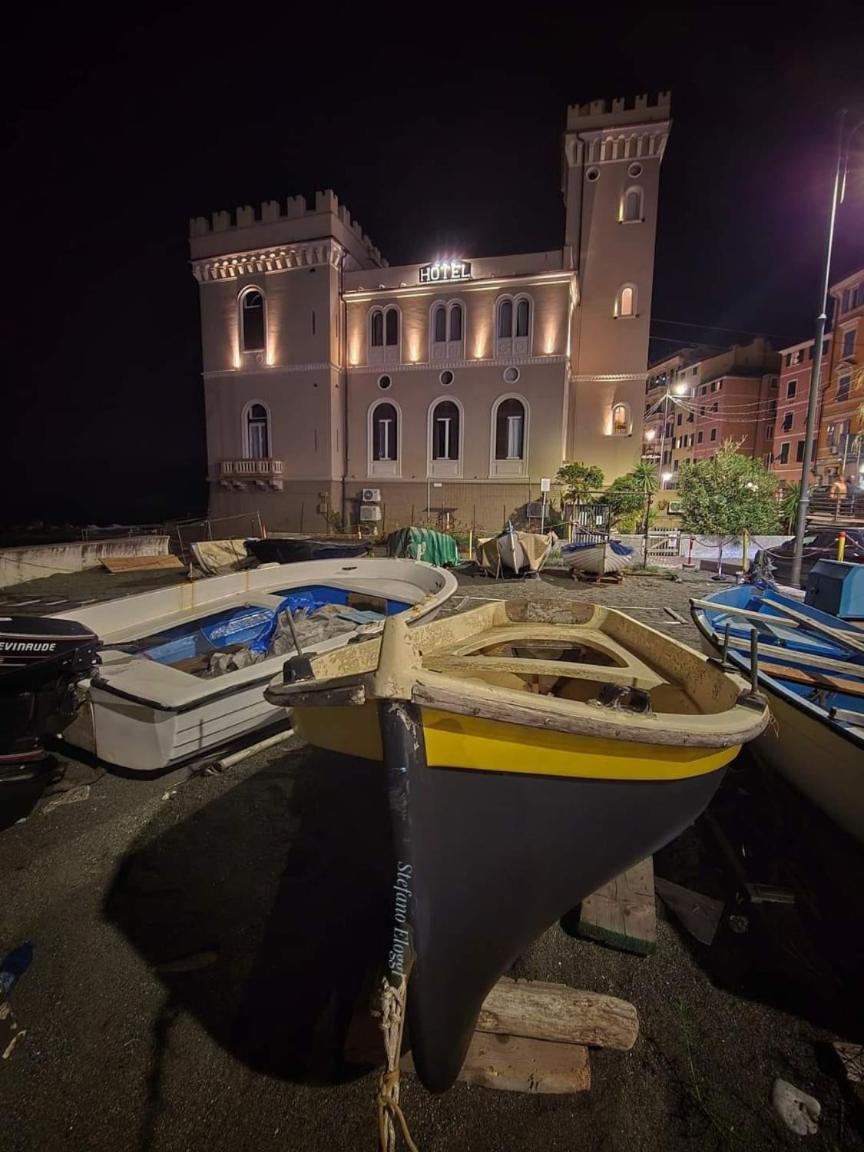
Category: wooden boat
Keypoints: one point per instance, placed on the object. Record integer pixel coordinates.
(515, 552)
(598, 557)
(292, 550)
(534, 751)
(184, 668)
(811, 667)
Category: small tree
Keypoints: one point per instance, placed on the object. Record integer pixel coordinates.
(788, 504)
(727, 495)
(630, 495)
(578, 481)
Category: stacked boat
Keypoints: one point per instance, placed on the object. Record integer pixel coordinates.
(533, 751)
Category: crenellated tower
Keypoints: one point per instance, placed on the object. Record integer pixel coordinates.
(612, 156)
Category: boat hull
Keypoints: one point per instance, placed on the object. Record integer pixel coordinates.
(486, 861)
(274, 550)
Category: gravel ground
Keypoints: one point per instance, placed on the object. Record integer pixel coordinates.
(267, 880)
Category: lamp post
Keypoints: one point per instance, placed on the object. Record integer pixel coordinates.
(844, 141)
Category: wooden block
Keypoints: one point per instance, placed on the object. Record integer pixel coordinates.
(699, 914)
(539, 1011)
(140, 563)
(517, 1064)
(852, 1059)
(621, 914)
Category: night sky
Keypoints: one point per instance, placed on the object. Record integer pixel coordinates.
(439, 127)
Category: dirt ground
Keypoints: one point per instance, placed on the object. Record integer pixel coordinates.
(265, 886)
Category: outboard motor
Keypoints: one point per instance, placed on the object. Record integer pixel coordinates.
(41, 661)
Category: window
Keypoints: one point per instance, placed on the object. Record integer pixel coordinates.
(769, 431)
(383, 439)
(715, 407)
(510, 429)
(788, 418)
(773, 407)
(796, 357)
(830, 435)
(784, 452)
(848, 343)
(620, 420)
(713, 385)
(799, 452)
(445, 427)
(699, 437)
(843, 387)
(670, 428)
(680, 419)
(256, 432)
(384, 335)
(455, 336)
(625, 302)
(713, 434)
(791, 389)
(631, 206)
(439, 324)
(252, 327)
(513, 325)
(844, 304)
(447, 327)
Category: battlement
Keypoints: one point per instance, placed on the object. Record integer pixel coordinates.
(271, 212)
(620, 110)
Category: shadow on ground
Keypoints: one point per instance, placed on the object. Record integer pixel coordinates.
(263, 911)
(802, 948)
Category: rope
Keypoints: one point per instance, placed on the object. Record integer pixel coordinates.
(392, 1026)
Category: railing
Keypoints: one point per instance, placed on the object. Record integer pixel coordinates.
(249, 468)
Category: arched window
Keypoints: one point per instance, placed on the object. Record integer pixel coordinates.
(455, 333)
(252, 326)
(384, 335)
(256, 432)
(510, 430)
(513, 327)
(445, 431)
(385, 427)
(439, 324)
(631, 206)
(620, 420)
(625, 302)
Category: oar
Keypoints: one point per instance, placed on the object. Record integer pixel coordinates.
(853, 643)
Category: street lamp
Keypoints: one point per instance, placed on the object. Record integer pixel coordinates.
(844, 141)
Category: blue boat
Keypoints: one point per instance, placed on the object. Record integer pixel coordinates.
(811, 666)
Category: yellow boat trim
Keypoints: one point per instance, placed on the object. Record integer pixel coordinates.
(476, 744)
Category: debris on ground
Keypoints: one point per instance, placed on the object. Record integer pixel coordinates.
(10, 1033)
(13, 965)
(70, 796)
(699, 914)
(799, 1111)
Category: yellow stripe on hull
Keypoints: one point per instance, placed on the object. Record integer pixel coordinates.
(470, 742)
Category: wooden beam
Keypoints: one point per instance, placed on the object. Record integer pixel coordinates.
(621, 914)
(816, 679)
(541, 1011)
(516, 1064)
(795, 619)
(827, 662)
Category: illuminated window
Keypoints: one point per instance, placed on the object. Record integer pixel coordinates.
(439, 323)
(385, 425)
(513, 325)
(384, 335)
(445, 431)
(625, 302)
(256, 432)
(376, 325)
(620, 420)
(391, 327)
(510, 429)
(447, 328)
(252, 326)
(455, 334)
(632, 206)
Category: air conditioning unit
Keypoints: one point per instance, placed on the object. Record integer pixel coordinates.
(369, 512)
(371, 496)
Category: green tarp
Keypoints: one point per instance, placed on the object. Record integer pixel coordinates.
(424, 544)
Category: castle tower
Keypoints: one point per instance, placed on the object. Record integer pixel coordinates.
(612, 158)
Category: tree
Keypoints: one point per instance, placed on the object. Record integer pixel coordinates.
(727, 495)
(629, 496)
(578, 481)
(788, 506)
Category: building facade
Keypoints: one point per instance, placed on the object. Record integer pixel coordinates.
(341, 390)
(840, 451)
(796, 372)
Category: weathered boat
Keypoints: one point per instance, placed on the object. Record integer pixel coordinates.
(41, 662)
(515, 552)
(811, 666)
(183, 669)
(293, 550)
(534, 751)
(598, 557)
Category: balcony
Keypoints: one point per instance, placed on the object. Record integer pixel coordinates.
(240, 474)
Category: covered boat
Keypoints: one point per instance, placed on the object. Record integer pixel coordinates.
(184, 668)
(534, 751)
(811, 666)
(41, 662)
(516, 552)
(293, 550)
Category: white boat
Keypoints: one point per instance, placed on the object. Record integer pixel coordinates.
(163, 695)
(597, 557)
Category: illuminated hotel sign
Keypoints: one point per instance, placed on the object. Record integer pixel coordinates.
(445, 270)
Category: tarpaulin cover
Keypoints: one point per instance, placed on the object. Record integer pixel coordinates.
(424, 544)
